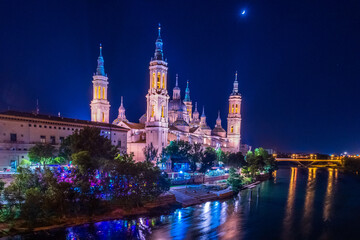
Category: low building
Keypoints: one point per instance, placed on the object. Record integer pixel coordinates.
(19, 131)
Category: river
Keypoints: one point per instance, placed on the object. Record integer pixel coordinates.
(296, 204)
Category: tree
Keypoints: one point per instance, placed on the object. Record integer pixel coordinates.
(236, 160)
(208, 160)
(178, 152)
(42, 153)
(150, 153)
(196, 154)
(88, 139)
(234, 180)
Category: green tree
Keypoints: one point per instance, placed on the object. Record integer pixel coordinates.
(178, 152)
(195, 155)
(88, 139)
(42, 153)
(208, 159)
(234, 180)
(236, 160)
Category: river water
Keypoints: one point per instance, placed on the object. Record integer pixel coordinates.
(296, 204)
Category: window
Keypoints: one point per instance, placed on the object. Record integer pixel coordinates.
(21, 125)
(103, 96)
(52, 140)
(29, 125)
(119, 143)
(103, 117)
(45, 127)
(99, 92)
(54, 127)
(163, 80)
(13, 137)
(61, 139)
(68, 128)
(232, 129)
(236, 108)
(50, 127)
(162, 111)
(153, 81)
(40, 126)
(152, 110)
(42, 139)
(158, 80)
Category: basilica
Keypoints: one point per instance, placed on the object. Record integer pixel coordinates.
(167, 119)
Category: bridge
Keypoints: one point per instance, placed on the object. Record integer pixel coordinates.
(307, 162)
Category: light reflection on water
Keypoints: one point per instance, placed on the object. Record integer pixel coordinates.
(296, 204)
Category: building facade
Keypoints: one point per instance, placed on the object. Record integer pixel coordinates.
(21, 130)
(174, 119)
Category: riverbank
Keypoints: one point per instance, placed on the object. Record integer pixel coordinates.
(177, 197)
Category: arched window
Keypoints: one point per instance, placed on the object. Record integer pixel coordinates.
(99, 92)
(229, 108)
(103, 93)
(163, 81)
(152, 110)
(162, 111)
(153, 81)
(236, 108)
(158, 80)
(232, 129)
(103, 117)
(232, 109)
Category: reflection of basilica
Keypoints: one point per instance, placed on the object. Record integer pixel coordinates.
(166, 120)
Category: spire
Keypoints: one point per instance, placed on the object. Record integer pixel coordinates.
(100, 70)
(122, 105)
(236, 85)
(158, 55)
(187, 93)
(37, 106)
(218, 120)
(122, 115)
(195, 107)
(176, 89)
(203, 112)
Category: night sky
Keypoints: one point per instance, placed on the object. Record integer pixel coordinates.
(298, 62)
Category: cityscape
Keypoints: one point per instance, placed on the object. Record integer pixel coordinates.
(158, 121)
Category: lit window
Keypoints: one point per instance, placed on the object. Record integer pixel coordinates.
(158, 80)
(232, 129)
(103, 93)
(162, 111)
(99, 92)
(103, 117)
(152, 111)
(153, 81)
(163, 80)
(236, 109)
(42, 139)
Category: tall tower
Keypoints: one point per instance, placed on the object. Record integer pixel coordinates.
(176, 89)
(156, 124)
(234, 117)
(100, 106)
(187, 101)
(195, 120)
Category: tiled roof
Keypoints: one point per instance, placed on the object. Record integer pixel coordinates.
(135, 125)
(59, 119)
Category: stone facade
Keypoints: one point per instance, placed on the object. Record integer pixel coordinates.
(20, 131)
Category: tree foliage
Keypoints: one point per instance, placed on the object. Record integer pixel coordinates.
(150, 153)
(208, 160)
(42, 153)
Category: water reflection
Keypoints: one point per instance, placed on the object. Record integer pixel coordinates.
(309, 201)
(287, 208)
(289, 212)
(329, 196)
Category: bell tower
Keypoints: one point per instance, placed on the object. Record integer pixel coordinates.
(157, 99)
(100, 106)
(234, 117)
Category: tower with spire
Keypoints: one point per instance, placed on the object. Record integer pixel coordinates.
(234, 117)
(195, 120)
(188, 102)
(100, 106)
(156, 125)
(203, 124)
(122, 116)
